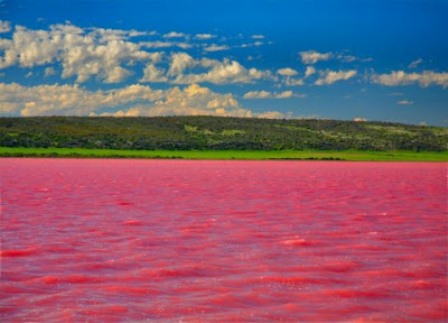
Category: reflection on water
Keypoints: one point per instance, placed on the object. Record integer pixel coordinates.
(127, 240)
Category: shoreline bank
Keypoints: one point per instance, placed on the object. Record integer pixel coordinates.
(347, 155)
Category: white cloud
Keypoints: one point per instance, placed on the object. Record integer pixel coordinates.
(346, 58)
(213, 71)
(284, 95)
(288, 78)
(204, 36)
(424, 79)
(258, 95)
(180, 62)
(100, 53)
(330, 77)
(174, 34)
(194, 100)
(136, 33)
(111, 56)
(73, 100)
(49, 71)
(254, 44)
(165, 44)
(225, 72)
(272, 115)
(290, 81)
(67, 99)
(405, 102)
(156, 57)
(287, 72)
(312, 57)
(310, 70)
(359, 119)
(415, 63)
(138, 100)
(107, 34)
(5, 26)
(153, 74)
(104, 34)
(216, 48)
(270, 95)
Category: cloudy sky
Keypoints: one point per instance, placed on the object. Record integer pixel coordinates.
(341, 59)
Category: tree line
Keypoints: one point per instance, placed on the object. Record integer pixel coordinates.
(217, 133)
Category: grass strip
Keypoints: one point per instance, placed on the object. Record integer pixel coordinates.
(349, 155)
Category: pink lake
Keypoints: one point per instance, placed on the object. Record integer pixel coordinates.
(225, 241)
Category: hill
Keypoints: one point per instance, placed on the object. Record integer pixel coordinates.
(215, 133)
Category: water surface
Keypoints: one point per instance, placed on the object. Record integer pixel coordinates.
(137, 240)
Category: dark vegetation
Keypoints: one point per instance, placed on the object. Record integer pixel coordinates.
(214, 133)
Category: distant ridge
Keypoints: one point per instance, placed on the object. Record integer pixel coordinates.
(217, 133)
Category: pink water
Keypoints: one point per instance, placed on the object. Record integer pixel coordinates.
(225, 241)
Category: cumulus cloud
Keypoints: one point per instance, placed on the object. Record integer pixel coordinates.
(204, 36)
(288, 77)
(100, 53)
(310, 70)
(174, 34)
(153, 74)
(424, 79)
(415, 63)
(112, 56)
(136, 33)
(359, 119)
(291, 81)
(68, 99)
(254, 44)
(156, 57)
(213, 71)
(287, 72)
(134, 100)
(73, 100)
(272, 115)
(330, 77)
(405, 102)
(49, 71)
(284, 95)
(216, 48)
(180, 62)
(270, 95)
(165, 44)
(5, 26)
(106, 34)
(312, 57)
(346, 58)
(258, 95)
(194, 100)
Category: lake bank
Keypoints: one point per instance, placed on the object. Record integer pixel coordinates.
(347, 155)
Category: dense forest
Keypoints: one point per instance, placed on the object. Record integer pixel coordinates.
(201, 133)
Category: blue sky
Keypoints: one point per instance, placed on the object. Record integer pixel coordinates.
(341, 59)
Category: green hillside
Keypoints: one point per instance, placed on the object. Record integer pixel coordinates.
(213, 133)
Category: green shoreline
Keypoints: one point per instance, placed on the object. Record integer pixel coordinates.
(347, 155)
